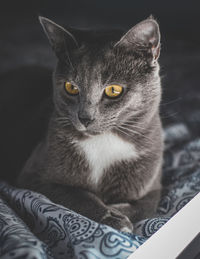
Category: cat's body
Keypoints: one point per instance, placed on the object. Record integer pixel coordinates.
(102, 155)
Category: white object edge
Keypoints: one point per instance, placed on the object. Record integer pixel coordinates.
(170, 240)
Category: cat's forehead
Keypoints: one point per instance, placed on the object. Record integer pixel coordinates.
(90, 64)
(94, 55)
(101, 63)
(98, 64)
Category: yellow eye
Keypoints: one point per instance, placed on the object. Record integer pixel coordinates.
(113, 91)
(71, 89)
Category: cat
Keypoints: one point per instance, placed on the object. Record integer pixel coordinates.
(102, 154)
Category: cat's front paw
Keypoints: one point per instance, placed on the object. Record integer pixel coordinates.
(117, 220)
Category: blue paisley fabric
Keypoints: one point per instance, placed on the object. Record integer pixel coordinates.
(31, 226)
(37, 228)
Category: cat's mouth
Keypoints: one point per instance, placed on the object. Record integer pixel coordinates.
(91, 132)
(87, 131)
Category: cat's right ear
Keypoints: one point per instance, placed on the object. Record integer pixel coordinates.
(61, 40)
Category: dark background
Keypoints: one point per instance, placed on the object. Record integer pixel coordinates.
(26, 62)
(177, 18)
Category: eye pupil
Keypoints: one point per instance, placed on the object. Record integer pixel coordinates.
(113, 91)
(71, 89)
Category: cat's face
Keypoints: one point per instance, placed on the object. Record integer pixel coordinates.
(104, 83)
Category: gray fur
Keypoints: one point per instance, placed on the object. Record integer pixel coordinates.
(128, 189)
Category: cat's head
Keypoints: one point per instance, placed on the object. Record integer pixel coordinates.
(102, 80)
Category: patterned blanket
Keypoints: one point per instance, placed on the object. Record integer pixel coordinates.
(31, 226)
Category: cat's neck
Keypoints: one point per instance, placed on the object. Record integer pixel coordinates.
(104, 150)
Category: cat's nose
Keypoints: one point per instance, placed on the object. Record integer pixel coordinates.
(85, 120)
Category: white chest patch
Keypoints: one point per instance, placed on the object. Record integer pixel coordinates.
(104, 150)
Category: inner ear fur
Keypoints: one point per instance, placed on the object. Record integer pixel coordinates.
(61, 40)
(145, 34)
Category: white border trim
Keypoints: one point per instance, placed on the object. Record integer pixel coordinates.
(170, 240)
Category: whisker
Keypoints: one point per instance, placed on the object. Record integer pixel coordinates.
(122, 131)
(137, 133)
(130, 124)
(130, 130)
(63, 121)
(172, 101)
(134, 120)
(62, 118)
(134, 126)
(169, 115)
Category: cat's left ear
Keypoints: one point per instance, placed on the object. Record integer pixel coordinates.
(61, 40)
(145, 34)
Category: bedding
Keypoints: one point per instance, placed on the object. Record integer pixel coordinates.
(31, 226)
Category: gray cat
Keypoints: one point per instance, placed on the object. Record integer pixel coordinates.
(102, 154)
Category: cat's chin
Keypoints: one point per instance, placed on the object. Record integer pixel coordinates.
(90, 133)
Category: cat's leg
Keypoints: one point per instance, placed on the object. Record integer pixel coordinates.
(77, 199)
(87, 204)
(140, 209)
